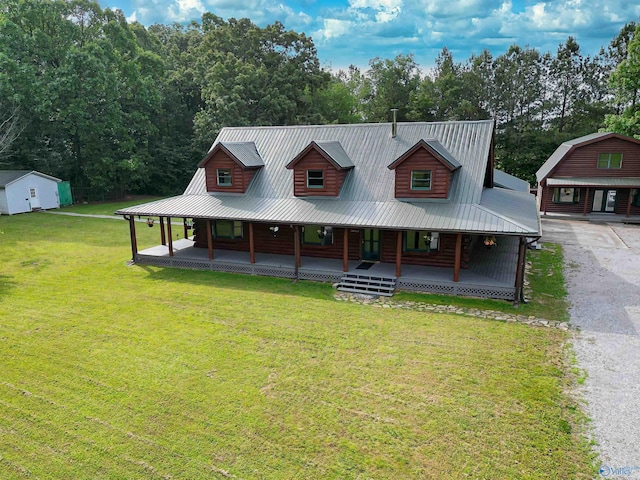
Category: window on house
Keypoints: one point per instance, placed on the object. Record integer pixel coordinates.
(566, 195)
(227, 229)
(421, 241)
(635, 197)
(420, 179)
(317, 235)
(224, 177)
(609, 160)
(315, 178)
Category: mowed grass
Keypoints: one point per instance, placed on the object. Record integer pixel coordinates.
(117, 372)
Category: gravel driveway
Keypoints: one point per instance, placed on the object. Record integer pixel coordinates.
(603, 279)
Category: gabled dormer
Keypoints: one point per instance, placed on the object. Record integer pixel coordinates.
(231, 166)
(424, 171)
(320, 170)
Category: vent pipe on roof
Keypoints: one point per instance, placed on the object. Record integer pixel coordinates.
(394, 125)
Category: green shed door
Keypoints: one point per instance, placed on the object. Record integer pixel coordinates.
(64, 193)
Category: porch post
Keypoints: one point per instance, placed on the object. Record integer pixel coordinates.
(184, 225)
(132, 232)
(252, 246)
(345, 250)
(456, 266)
(629, 202)
(398, 253)
(170, 235)
(209, 239)
(296, 247)
(586, 202)
(522, 252)
(163, 239)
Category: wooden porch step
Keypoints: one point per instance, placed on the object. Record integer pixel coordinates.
(367, 284)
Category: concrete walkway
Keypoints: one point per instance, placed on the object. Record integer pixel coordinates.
(602, 270)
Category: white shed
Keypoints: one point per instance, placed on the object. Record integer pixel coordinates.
(27, 190)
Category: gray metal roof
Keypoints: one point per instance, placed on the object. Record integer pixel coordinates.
(337, 153)
(594, 182)
(367, 195)
(245, 152)
(443, 152)
(9, 176)
(566, 147)
(504, 180)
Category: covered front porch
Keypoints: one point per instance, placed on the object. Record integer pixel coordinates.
(491, 272)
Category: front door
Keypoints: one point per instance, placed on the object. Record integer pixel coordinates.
(371, 244)
(604, 201)
(34, 201)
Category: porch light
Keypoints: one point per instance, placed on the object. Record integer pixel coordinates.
(150, 222)
(274, 230)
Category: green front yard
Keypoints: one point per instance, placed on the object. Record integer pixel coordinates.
(116, 371)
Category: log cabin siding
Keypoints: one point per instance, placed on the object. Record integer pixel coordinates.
(240, 177)
(583, 161)
(422, 160)
(547, 204)
(333, 177)
(444, 257)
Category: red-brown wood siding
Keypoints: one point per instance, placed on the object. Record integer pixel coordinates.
(240, 178)
(547, 204)
(333, 177)
(445, 257)
(422, 160)
(282, 244)
(583, 161)
(622, 200)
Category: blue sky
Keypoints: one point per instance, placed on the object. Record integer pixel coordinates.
(354, 31)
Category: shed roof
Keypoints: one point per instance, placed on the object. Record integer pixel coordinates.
(568, 146)
(367, 197)
(7, 177)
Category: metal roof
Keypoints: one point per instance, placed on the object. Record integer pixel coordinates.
(367, 195)
(568, 146)
(9, 176)
(594, 182)
(245, 152)
(504, 180)
(337, 153)
(443, 152)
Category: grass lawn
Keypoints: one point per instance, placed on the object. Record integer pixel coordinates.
(119, 372)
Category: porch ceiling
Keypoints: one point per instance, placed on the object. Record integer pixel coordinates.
(628, 182)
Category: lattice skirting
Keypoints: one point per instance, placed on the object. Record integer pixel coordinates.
(281, 272)
(482, 291)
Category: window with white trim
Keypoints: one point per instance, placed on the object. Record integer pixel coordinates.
(420, 179)
(224, 177)
(315, 178)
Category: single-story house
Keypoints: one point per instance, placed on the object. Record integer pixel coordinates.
(373, 206)
(27, 190)
(597, 173)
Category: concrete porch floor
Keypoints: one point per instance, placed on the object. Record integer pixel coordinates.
(491, 272)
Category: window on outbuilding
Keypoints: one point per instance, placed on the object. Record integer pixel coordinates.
(230, 229)
(315, 178)
(421, 241)
(635, 197)
(610, 160)
(317, 235)
(566, 195)
(224, 177)
(420, 179)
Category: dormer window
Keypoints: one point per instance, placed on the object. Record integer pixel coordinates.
(315, 178)
(224, 177)
(420, 179)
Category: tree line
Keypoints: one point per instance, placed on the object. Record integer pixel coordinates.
(116, 107)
